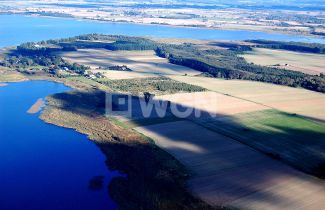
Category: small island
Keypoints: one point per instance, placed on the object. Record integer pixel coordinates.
(39, 104)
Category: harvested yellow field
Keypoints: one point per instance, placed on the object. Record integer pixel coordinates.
(226, 172)
(201, 104)
(142, 63)
(292, 100)
(212, 102)
(304, 62)
(118, 75)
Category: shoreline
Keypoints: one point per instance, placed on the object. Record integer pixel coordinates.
(275, 32)
(143, 166)
(307, 35)
(36, 107)
(146, 167)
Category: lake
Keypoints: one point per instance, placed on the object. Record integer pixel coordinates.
(43, 166)
(16, 29)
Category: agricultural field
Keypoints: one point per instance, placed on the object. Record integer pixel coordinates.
(223, 149)
(206, 104)
(222, 170)
(292, 100)
(290, 138)
(250, 116)
(142, 63)
(250, 122)
(122, 75)
(211, 102)
(304, 62)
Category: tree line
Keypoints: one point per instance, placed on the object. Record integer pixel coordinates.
(220, 63)
(292, 46)
(228, 65)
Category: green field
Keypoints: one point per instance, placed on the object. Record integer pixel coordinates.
(309, 63)
(288, 137)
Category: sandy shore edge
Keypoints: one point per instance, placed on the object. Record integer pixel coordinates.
(35, 108)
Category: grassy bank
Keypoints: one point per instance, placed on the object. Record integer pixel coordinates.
(11, 76)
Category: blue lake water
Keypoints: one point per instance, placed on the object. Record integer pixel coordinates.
(43, 166)
(16, 29)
